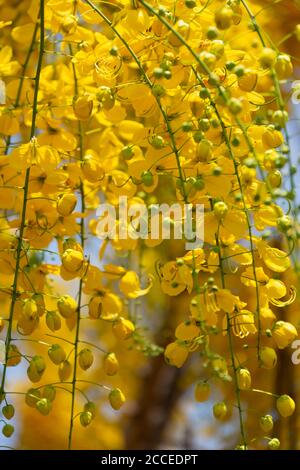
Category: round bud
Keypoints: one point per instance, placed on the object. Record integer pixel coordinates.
(114, 51)
(198, 136)
(202, 391)
(8, 411)
(284, 223)
(220, 411)
(274, 444)
(66, 204)
(239, 70)
(268, 357)
(116, 398)
(187, 126)
(53, 321)
(127, 152)
(64, 371)
(224, 17)
(91, 408)
(32, 396)
(199, 183)
(85, 418)
(267, 57)
(217, 171)
(204, 124)
(49, 392)
(274, 179)
(67, 306)
(123, 328)
(72, 260)
(234, 106)
(190, 3)
(147, 178)
(285, 405)
(44, 406)
(212, 33)
(13, 356)
(158, 90)
(204, 93)
(8, 430)
(110, 364)
(266, 423)
(158, 141)
(220, 209)
(56, 353)
(244, 379)
(86, 358)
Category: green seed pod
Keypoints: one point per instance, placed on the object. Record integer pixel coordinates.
(49, 392)
(64, 371)
(86, 358)
(38, 362)
(266, 423)
(32, 396)
(8, 411)
(8, 430)
(44, 406)
(274, 444)
(57, 354)
(85, 418)
(53, 321)
(91, 408)
(116, 398)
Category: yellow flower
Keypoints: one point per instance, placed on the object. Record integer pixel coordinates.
(268, 357)
(66, 204)
(72, 260)
(187, 331)
(176, 354)
(266, 423)
(284, 334)
(82, 107)
(116, 398)
(275, 259)
(123, 328)
(242, 323)
(85, 358)
(244, 379)
(111, 364)
(56, 354)
(130, 285)
(175, 278)
(8, 67)
(270, 290)
(274, 444)
(64, 371)
(272, 138)
(285, 405)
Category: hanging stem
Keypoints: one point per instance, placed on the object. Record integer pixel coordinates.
(82, 241)
(14, 292)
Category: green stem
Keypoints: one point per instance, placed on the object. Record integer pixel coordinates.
(20, 86)
(14, 293)
(231, 350)
(82, 240)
